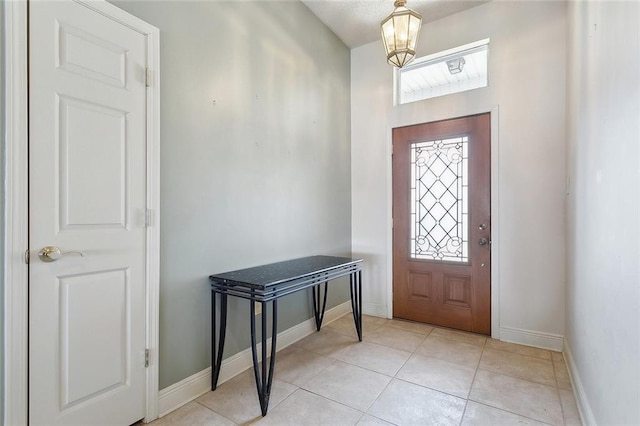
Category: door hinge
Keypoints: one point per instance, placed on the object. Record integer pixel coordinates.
(26, 256)
(146, 357)
(391, 223)
(148, 77)
(147, 218)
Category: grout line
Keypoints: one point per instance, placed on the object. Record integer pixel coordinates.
(287, 397)
(555, 376)
(333, 361)
(378, 397)
(517, 378)
(510, 412)
(466, 402)
(380, 418)
(431, 389)
(395, 376)
(516, 353)
(208, 408)
(346, 361)
(332, 400)
(473, 381)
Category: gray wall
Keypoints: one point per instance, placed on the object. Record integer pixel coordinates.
(255, 159)
(603, 240)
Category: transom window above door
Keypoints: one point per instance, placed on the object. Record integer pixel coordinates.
(451, 71)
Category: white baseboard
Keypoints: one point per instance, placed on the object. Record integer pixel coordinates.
(537, 339)
(374, 309)
(186, 390)
(178, 394)
(584, 408)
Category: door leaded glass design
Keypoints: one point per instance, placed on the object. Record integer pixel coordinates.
(439, 200)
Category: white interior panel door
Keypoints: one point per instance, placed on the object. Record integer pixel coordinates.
(87, 159)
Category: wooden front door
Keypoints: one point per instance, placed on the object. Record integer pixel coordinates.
(442, 223)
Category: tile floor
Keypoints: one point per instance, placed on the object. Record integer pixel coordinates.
(402, 373)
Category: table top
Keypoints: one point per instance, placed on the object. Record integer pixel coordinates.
(281, 272)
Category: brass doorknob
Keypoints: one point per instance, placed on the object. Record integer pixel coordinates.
(51, 253)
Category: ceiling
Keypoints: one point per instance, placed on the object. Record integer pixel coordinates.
(357, 22)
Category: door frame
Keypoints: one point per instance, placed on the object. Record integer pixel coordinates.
(495, 217)
(16, 220)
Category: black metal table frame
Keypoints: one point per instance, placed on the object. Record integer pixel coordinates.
(263, 373)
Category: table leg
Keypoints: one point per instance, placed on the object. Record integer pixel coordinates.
(318, 311)
(216, 356)
(262, 373)
(356, 301)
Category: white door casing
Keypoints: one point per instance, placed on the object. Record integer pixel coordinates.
(93, 175)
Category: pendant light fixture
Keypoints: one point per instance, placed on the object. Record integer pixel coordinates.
(400, 32)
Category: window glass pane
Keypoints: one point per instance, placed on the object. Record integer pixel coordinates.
(443, 74)
(439, 200)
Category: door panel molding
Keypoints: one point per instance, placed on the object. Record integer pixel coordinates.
(14, 409)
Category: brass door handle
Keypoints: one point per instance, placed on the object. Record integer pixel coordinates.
(51, 253)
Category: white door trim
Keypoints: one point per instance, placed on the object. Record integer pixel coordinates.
(16, 215)
(16, 241)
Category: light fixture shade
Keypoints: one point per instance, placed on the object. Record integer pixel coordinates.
(400, 32)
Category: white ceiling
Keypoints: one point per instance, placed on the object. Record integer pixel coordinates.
(357, 22)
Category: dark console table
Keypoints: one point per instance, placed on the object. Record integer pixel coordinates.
(268, 283)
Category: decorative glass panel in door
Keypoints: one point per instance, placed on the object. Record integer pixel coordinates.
(439, 200)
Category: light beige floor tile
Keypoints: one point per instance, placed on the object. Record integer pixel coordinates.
(192, 414)
(416, 327)
(562, 375)
(569, 408)
(286, 351)
(518, 396)
(369, 420)
(454, 379)
(479, 414)
(305, 408)
(327, 343)
(451, 350)
(238, 401)
(370, 320)
(395, 338)
(379, 358)
(460, 336)
(344, 325)
(299, 366)
(348, 384)
(518, 349)
(404, 403)
(557, 356)
(520, 366)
